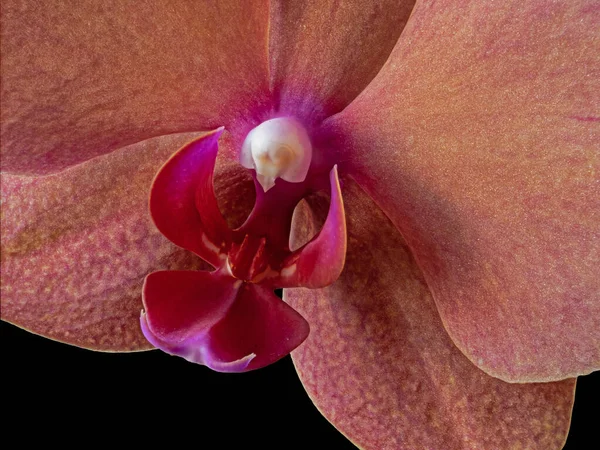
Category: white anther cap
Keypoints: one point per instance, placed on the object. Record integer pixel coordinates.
(277, 148)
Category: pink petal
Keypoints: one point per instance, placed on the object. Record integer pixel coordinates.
(257, 330)
(320, 262)
(80, 79)
(379, 365)
(183, 203)
(323, 53)
(77, 245)
(479, 140)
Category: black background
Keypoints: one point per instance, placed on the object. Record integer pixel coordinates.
(57, 394)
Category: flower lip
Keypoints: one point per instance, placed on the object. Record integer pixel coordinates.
(229, 319)
(277, 148)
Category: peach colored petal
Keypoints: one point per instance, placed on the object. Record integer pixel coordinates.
(80, 79)
(380, 366)
(77, 245)
(323, 53)
(480, 140)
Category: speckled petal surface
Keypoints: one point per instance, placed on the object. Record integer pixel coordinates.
(77, 245)
(83, 78)
(183, 204)
(380, 366)
(323, 53)
(480, 140)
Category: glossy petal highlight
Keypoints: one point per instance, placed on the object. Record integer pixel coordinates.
(183, 203)
(380, 366)
(479, 139)
(80, 79)
(323, 53)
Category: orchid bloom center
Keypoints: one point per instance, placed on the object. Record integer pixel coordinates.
(277, 148)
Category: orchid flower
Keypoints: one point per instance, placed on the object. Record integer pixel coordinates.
(421, 178)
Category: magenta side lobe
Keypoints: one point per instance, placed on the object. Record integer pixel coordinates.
(183, 204)
(320, 262)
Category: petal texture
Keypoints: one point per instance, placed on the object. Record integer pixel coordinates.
(323, 53)
(379, 365)
(82, 79)
(183, 203)
(479, 139)
(77, 245)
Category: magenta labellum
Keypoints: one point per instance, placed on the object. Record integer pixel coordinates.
(230, 319)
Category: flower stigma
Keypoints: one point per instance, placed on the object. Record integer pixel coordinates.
(277, 148)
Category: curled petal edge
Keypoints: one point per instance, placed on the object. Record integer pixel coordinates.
(320, 262)
(183, 205)
(194, 353)
(236, 328)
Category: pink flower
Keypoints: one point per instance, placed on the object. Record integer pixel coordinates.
(466, 142)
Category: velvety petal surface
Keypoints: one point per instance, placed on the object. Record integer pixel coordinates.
(183, 203)
(380, 366)
(77, 245)
(83, 78)
(257, 330)
(480, 140)
(319, 262)
(323, 53)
